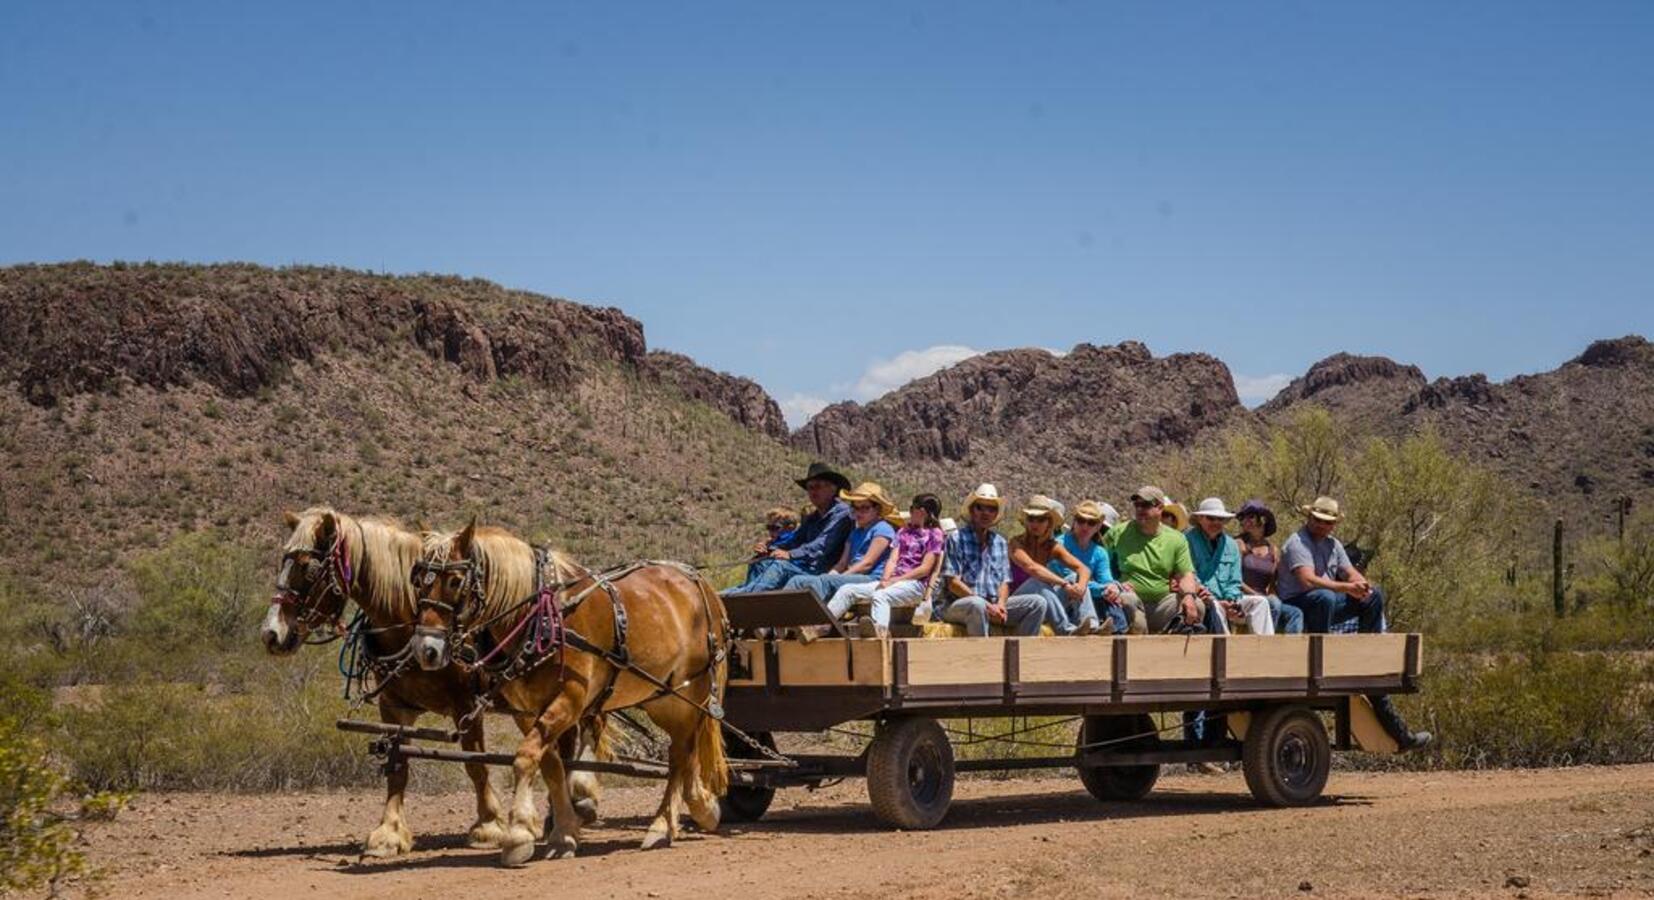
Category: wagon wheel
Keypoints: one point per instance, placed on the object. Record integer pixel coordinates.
(910, 773)
(741, 802)
(1120, 782)
(1286, 756)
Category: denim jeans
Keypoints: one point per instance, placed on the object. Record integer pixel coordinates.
(1323, 608)
(767, 575)
(826, 584)
(1024, 613)
(1056, 612)
(1288, 619)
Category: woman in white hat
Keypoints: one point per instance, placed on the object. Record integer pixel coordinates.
(1217, 561)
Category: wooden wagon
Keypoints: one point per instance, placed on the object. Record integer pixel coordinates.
(1274, 694)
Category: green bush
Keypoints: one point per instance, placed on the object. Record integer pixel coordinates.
(37, 844)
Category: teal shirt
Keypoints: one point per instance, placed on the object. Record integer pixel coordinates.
(1094, 557)
(1217, 563)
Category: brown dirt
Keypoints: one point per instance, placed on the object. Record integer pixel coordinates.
(1585, 831)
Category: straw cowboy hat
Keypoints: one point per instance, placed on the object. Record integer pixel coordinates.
(1090, 509)
(1212, 508)
(987, 495)
(824, 472)
(1174, 514)
(869, 492)
(1041, 505)
(1256, 508)
(1324, 508)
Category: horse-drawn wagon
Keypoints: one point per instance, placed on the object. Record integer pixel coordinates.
(1274, 694)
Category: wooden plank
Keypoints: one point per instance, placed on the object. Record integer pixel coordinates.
(1068, 659)
(1268, 656)
(751, 656)
(1369, 735)
(825, 662)
(1363, 654)
(1170, 657)
(968, 661)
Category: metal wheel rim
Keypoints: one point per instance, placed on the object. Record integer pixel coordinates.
(924, 774)
(1295, 759)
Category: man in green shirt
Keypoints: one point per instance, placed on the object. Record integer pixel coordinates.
(1154, 560)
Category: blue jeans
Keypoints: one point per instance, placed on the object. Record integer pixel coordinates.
(1323, 608)
(1024, 613)
(1288, 619)
(767, 575)
(826, 584)
(1119, 615)
(1056, 612)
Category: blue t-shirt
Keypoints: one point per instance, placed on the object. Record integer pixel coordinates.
(861, 538)
(1094, 557)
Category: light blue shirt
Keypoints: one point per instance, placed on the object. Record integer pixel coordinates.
(1217, 563)
(862, 538)
(1095, 558)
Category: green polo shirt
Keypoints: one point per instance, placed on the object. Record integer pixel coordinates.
(1148, 563)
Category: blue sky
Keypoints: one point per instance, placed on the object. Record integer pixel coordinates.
(820, 195)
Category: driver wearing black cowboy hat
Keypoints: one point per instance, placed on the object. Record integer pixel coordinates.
(814, 546)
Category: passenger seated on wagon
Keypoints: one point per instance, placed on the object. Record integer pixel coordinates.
(905, 575)
(1036, 555)
(1108, 597)
(1217, 561)
(814, 546)
(978, 573)
(1154, 559)
(780, 523)
(864, 552)
(1259, 560)
(1317, 577)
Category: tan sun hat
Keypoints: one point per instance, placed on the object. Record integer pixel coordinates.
(1324, 508)
(1174, 514)
(987, 494)
(1041, 505)
(1090, 509)
(869, 492)
(1213, 508)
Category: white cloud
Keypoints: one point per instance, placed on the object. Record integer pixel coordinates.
(885, 375)
(1256, 390)
(798, 408)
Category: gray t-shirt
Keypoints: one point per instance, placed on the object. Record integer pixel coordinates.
(1325, 558)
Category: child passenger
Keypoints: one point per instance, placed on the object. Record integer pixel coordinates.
(905, 575)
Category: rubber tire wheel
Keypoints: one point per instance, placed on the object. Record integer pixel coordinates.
(910, 773)
(1287, 756)
(741, 803)
(1108, 783)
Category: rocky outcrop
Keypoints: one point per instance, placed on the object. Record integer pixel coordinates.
(76, 327)
(1095, 402)
(739, 398)
(1345, 380)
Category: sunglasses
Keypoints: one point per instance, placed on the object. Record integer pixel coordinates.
(862, 507)
(982, 508)
(1143, 504)
(774, 528)
(1082, 520)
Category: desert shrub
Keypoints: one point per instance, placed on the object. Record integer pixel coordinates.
(195, 595)
(149, 736)
(1536, 709)
(37, 845)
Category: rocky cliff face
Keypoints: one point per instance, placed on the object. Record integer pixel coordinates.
(1093, 403)
(739, 398)
(1585, 428)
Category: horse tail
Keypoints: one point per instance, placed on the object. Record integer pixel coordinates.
(709, 742)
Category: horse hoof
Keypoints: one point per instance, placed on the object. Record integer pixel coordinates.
(707, 820)
(385, 843)
(561, 848)
(514, 855)
(586, 808)
(657, 839)
(486, 836)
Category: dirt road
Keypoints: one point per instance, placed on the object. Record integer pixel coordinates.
(1583, 831)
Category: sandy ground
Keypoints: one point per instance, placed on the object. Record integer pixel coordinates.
(1586, 831)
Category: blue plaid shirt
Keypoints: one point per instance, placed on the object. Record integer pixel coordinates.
(983, 569)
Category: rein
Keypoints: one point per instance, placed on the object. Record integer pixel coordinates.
(335, 575)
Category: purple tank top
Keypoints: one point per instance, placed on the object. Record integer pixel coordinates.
(1258, 572)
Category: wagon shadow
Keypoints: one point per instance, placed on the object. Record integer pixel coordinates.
(1032, 809)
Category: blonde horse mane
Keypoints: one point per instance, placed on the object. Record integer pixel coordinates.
(508, 562)
(381, 555)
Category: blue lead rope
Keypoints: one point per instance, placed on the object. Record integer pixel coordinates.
(353, 660)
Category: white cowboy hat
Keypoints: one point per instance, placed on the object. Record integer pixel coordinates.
(987, 495)
(1212, 508)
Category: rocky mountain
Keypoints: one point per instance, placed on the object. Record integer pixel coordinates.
(1085, 423)
(1583, 430)
(141, 402)
(739, 398)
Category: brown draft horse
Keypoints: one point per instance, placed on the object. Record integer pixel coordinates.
(673, 630)
(331, 559)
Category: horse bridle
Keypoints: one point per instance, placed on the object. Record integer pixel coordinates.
(470, 593)
(327, 572)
